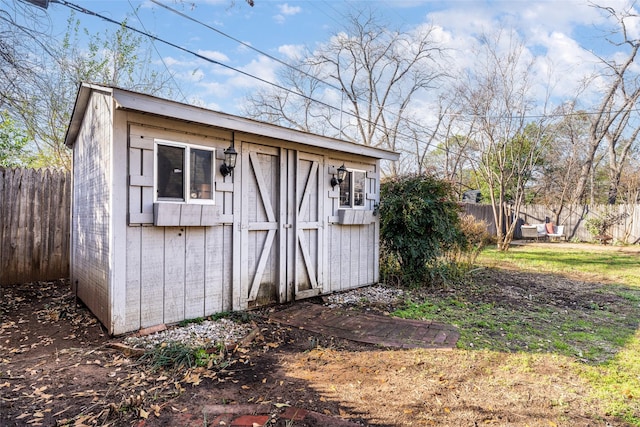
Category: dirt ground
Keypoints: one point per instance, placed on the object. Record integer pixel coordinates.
(59, 367)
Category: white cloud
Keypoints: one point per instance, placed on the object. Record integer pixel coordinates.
(291, 51)
(218, 90)
(214, 55)
(558, 33)
(285, 9)
(262, 67)
(170, 61)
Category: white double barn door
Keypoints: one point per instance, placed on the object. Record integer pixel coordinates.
(282, 230)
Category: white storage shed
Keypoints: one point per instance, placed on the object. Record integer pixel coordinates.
(165, 229)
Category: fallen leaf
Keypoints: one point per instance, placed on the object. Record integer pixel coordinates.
(144, 414)
(156, 410)
(281, 405)
(192, 378)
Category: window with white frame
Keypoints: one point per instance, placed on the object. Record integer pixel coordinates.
(184, 172)
(352, 189)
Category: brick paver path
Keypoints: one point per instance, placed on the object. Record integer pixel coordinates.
(369, 328)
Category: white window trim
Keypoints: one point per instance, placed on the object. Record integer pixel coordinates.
(186, 172)
(352, 196)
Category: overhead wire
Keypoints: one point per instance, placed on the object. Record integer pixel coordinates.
(247, 45)
(207, 59)
(135, 12)
(198, 55)
(296, 69)
(278, 86)
(216, 62)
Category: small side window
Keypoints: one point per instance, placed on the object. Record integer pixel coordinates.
(359, 180)
(170, 184)
(352, 190)
(201, 177)
(183, 172)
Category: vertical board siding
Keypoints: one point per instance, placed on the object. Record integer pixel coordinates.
(174, 274)
(184, 273)
(152, 265)
(91, 204)
(352, 249)
(194, 284)
(217, 273)
(133, 282)
(34, 225)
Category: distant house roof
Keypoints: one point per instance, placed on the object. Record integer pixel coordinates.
(133, 101)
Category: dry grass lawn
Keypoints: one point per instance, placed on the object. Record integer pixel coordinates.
(451, 388)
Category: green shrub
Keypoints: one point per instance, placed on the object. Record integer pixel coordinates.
(600, 225)
(475, 238)
(419, 224)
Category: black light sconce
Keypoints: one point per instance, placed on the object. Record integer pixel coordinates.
(230, 157)
(342, 173)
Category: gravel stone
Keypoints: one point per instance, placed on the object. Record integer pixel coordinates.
(206, 334)
(374, 295)
(211, 333)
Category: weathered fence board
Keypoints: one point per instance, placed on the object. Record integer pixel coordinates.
(34, 225)
(572, 217)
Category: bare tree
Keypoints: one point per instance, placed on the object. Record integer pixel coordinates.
(560, 168)
(616, 122)
(23, 40)
(496, 99)
(45, 77)
(360, 86)
(453, 154)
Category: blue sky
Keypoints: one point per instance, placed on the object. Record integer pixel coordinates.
(560, 32)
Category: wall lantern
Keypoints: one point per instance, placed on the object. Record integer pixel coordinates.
(230, 157)
(342, 173)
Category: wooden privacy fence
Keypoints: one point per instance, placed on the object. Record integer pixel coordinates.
(34, 225)
(572, 217)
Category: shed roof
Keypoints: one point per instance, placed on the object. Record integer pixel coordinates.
(133, 101)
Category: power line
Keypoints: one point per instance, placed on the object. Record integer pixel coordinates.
(135, 12)
(171, 44)
(331, 85)
(325, 104)
(207, 59)
(247, 45)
